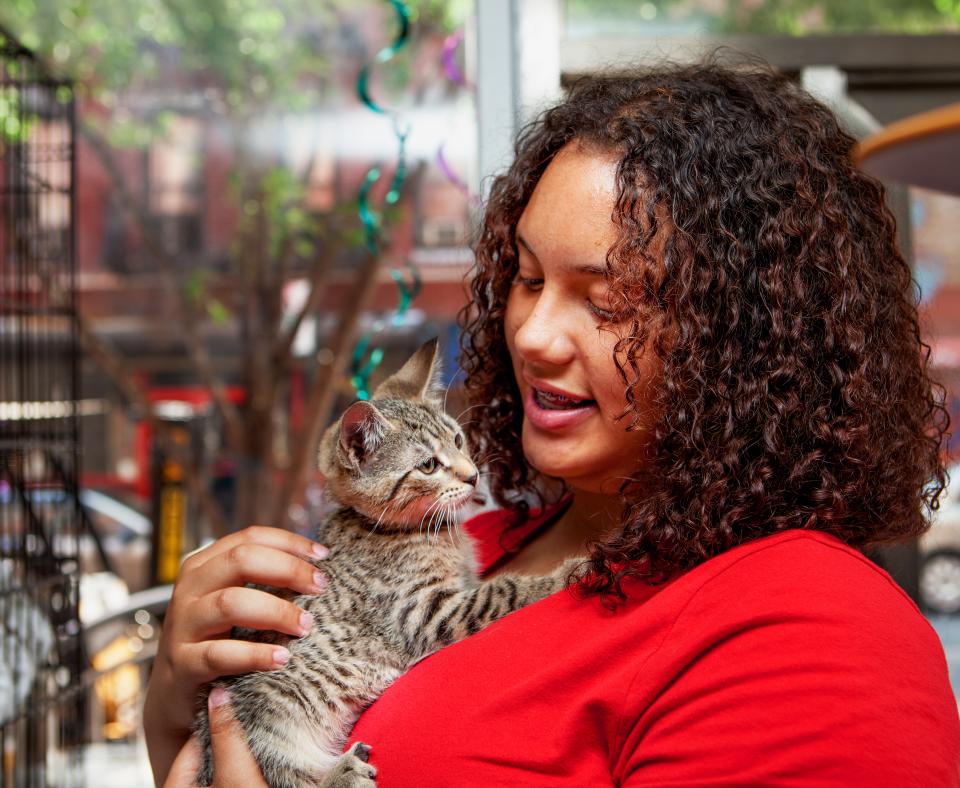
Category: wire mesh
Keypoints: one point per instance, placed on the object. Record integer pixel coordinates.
(41, 655)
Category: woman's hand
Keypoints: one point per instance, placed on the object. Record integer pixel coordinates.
(233, 762)
(209, 599)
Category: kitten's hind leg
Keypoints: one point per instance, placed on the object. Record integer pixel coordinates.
(352, 770)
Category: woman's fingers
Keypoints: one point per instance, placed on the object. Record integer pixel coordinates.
(257, 563)
(233, 763)
(183, 771)
(208, 600)
(219, 611)
(213, 658)
(277, 538)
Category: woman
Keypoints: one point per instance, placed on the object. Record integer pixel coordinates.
(690, 312)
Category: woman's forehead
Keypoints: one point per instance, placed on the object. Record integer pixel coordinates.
(570, 211)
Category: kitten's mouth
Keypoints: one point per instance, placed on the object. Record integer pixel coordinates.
(462, 501)
(550, 401)
(451, 509)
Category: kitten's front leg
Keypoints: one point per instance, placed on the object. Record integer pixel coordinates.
(352, 770)
(439, 616)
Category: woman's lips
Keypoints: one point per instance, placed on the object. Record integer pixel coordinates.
(550, 419)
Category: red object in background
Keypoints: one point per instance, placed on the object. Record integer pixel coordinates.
(197, 396)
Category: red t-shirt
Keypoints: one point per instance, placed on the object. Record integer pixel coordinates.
(791, 660)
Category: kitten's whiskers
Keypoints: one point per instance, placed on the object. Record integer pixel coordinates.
(445, 393)
(472, 407)
(380, 518)
(429, 510)
(485, 461)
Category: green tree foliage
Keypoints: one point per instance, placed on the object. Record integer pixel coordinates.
(242, 68)
(785, 17)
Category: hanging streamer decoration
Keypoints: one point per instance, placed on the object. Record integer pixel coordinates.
(448, 57)
(366, 355)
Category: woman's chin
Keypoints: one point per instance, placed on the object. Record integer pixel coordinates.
(550, 461)
(577, 468)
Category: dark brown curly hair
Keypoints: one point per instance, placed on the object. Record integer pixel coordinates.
(760, 265)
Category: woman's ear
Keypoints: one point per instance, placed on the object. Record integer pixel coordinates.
(419, 378)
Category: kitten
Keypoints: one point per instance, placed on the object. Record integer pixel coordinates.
(402, 583)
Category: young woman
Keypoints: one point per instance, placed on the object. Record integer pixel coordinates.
(690, 312)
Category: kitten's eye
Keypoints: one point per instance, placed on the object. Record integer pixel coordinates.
(458, 441)
(428, 466)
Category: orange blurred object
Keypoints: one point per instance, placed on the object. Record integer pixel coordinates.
(922, 150)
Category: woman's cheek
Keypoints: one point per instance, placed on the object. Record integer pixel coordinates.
(515, 314)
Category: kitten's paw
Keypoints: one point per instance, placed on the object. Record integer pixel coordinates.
(352, 770)
(362, 751)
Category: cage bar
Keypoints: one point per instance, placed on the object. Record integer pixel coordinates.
(41, 654)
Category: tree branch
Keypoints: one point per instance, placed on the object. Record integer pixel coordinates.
(319, 267)
(322, 391)
(283, 347)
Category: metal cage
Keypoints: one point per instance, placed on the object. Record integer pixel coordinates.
(41, 655)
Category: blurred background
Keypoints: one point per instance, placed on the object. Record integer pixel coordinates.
(220, 224)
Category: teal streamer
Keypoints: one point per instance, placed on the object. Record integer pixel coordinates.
(366, 357)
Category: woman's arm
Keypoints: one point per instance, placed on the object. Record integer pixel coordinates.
(209, 599)
(235, 762)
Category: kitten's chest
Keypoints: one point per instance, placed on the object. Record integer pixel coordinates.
(394, 564)
(373, 584)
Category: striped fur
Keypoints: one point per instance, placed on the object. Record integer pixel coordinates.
(402, 583)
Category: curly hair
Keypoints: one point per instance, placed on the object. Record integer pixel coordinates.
(760, 265)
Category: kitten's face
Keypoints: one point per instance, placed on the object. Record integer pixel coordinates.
(402, 463)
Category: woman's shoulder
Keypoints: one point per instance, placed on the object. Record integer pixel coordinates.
(804, 642)
(803, 604)
(797, 548)
(812, 561)
(801, 573)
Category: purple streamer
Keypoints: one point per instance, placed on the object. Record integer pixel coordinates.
(455, 75)
(449, 58)
(451, 176)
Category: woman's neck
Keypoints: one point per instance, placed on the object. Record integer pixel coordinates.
(588, 517)
(591, 515)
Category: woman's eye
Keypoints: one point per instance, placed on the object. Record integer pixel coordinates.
(528, 282)
(599, 312)
(428, 466)
(458, 441)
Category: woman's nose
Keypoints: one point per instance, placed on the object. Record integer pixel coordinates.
(543, 334)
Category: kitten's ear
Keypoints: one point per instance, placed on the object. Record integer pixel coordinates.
(362, 429)
(419, 378)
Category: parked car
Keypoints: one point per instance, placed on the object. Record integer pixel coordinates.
(940, 553)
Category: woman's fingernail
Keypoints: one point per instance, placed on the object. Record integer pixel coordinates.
(321, 551)
(306, 621)
(218, 697)
(319, 581)
(281, 656)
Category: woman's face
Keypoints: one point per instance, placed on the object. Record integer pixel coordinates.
(563, 361)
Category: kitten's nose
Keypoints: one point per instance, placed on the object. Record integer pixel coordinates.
(472, 480)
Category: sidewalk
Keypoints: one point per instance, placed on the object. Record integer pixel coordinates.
(117, 765)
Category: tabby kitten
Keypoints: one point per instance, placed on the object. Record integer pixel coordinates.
(402, 583)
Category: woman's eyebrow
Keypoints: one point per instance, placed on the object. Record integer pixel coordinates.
(523, 242)
(585, 268)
